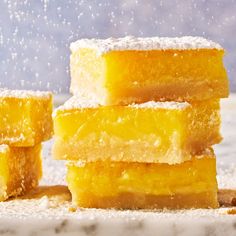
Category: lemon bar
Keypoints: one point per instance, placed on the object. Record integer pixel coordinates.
(20, 170)
(105, 184)
(127, 70)
(165, 132)
(25, 117)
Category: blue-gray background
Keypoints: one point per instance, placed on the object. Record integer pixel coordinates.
(35, 35)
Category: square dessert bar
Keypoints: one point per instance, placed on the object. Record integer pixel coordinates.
(127, 70)
(25, 117)
(122, 185)
(165, 132)
(20, 170)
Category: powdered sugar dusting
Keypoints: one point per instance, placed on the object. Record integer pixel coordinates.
(153, 43)
(79, 163)
(3, 148)
(24, 94)
(76, 102)
(162, 105)
(207, 153)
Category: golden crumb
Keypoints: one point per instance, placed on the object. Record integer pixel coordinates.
(72, 209)
(227, 197)
(231, 211)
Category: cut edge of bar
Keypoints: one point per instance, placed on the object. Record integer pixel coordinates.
(208, 152)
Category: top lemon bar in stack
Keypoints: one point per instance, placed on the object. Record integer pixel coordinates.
(136, 70)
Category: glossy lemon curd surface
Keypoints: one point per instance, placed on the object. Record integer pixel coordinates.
(25, 121)
(151, 132)
(124, 77)
(105, 184)
(20, 170)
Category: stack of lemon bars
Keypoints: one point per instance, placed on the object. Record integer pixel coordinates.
(25, 122)
(139, 129)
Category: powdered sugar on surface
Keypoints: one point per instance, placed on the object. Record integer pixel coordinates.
(163, 105)
(141, 44)
(3, 147)
(76, 102)
(24, 94)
